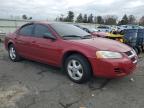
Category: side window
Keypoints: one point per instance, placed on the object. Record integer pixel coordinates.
(26, 30)
(40, 30)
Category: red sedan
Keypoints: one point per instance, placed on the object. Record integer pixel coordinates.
(69, 47)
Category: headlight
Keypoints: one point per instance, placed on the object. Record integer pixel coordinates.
(108, 54)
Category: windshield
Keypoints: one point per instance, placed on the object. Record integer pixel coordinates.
(68, 30)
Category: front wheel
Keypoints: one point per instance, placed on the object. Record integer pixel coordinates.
(78, 68)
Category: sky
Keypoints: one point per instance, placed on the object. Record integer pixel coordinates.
(50, 9)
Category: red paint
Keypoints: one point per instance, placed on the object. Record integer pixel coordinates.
(99, 34)
(52, 52)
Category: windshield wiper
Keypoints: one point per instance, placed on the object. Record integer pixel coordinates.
(87, 37)
(81, 37)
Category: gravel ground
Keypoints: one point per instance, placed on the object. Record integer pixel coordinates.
(29, 84)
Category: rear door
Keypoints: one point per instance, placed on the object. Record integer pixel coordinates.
(24, 40)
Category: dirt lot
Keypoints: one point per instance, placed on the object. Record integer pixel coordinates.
(29, 84)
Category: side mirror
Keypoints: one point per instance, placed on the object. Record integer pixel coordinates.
(49, 36)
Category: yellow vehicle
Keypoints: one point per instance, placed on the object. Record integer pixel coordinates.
(116, 36)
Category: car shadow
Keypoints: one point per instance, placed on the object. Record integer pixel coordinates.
(95, 83)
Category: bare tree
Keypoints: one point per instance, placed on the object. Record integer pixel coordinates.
(131, 19)
(110, 20)
(141, 22)
(24, 17)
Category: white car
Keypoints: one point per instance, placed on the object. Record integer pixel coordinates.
(104, 28)
(123, 27)
(141, 27)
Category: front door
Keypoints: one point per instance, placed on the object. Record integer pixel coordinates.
(44, 49)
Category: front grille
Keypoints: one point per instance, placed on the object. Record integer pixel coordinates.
(132, 56)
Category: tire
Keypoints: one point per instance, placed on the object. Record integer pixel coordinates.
(78, 68)
(13, 55)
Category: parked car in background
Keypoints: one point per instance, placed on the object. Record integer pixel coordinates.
(69, 47)
(104, 28)
(141, 27)
(135, 39)
(92, 31)
(116, 36)
(87, 29)
(112, 35)
(125, 27)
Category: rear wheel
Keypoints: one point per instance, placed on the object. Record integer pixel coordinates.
(13, 53)
(78, 68)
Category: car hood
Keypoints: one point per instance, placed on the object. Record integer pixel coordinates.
(100, 34)
(104, 44)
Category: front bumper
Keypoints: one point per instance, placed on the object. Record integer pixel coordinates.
(113, 68)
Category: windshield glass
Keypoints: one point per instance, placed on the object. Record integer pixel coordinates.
(66, 30)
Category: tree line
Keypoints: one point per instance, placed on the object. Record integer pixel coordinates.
(107, 20)
(25, 17)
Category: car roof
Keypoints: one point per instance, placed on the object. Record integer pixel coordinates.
(46, 22)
